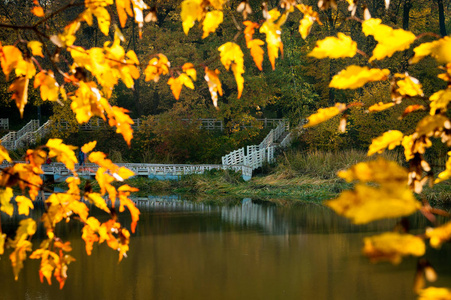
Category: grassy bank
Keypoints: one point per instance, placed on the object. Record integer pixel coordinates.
(296, 176)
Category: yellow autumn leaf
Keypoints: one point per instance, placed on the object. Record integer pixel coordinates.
(86, 148)
(231, 55)
(325, 114)
(214, 84)
(446, 174)
(20, 92)
(434, 293)
(98, 201)
(118, 117)
(189, 69)
(24, 204)
(430, 124)
(335, 47)
(273, 32)
(354, 77)
(5, 198)
(380, 106)
(211, 22)
(36, 48)
(25, 68)
(408, 86)
(257, 52)
(380, 171)
(63, 153)
(177, 83)
(437, 49)
(48, 85)
(103, 19)
(389, 139)
(10, 56)
(191, 11)
(2, 243)
(4, 155)
(389, 40)
(440, 101)
(156, 67)
(439, 235)
(365, 203)
(306, 23)
(392, 246)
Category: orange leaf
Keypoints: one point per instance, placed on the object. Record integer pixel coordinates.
(38, 11)
(20, 92)
(10, 56)
(214, 85)
(88, 146)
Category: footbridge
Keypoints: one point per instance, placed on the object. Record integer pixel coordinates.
(243, 160)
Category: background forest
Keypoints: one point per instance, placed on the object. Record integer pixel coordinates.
(297, 87)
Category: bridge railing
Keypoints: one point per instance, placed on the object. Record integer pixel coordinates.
(257, 155)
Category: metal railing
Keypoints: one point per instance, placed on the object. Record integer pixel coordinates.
(4, 123)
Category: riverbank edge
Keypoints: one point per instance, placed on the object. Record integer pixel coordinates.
(273, 187)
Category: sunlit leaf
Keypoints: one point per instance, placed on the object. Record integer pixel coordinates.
(380, 106)
(38, 11)
(273, 40)
(446, 174)
(211, 22)
(310, 16)
(156, 67)
(440, 101)
(434, 293)
(214, 85)
(389, 139)
(63, 153)
(392, 246)
(2, 243)
(189, 69)
(20, 92)
(10, 56)
(191, 11)
(86, 148)
(231, 55)
(389, 40)
(124, 192)
(335, 47)
(408, 86)
(354, 77)
(380, 171)
(439, 235)
(48, 85)
(365, 203)
(5, 198)
(4, 154)
(177, 83)
(36, 48)
(437, 49)
(325, 114)
(390, 198)
(24, 204)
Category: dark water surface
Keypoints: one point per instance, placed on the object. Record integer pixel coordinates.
(249, 250)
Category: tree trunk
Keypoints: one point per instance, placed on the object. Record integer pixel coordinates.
(405, 14)
(441, 17)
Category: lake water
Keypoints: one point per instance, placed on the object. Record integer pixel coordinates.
(240, 250)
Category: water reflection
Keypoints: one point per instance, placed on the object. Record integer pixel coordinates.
(246, 250)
